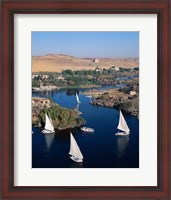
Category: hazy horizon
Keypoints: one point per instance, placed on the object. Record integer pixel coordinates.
(87, 57)
(116, 45)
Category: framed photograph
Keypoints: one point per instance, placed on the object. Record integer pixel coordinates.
(85, 99)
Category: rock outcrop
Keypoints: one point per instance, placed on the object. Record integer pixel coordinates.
(62, 118)
(113, 98)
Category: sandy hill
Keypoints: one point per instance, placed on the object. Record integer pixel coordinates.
(59, 62)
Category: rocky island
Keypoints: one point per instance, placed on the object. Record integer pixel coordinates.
(62, 118)
(116, 99)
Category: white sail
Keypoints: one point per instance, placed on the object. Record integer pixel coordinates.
(77, 98)
(48, 126)
(122, 124)
(75, 152)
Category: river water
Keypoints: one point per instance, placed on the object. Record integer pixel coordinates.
(101, 149)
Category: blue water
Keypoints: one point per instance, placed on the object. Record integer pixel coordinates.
(101, 149)
(127, 77)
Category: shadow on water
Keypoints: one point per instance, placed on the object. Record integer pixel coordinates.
(70, 92)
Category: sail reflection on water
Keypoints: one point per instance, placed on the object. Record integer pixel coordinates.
(77, 107)
(122, 143)
(49, 140)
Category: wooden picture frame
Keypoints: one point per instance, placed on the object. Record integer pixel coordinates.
(12, 7)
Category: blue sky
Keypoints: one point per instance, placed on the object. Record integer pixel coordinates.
(87, 44)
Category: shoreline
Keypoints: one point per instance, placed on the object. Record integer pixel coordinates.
(62, 118)
(112, 98)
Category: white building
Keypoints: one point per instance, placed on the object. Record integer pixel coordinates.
(133, 93)
(96, 60)
(115, 68)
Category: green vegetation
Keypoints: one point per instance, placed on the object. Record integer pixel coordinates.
(112, 98)
(127, 97)
(131, 106)
(86, 78)
(62, 118)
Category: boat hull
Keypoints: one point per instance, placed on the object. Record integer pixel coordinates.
(86, 129)
(76, 159)
(47, 131)
(122, 134)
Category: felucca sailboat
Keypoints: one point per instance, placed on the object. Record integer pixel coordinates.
(49, 128)
(77, 98)
(75, 152)
(122, 125)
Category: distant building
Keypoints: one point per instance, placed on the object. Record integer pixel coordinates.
(115, 68)
(98, 69)
(96, 60)
(44, 76)
(34, 76)
(61, 78)
(40, 101)
(132, 93)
